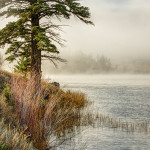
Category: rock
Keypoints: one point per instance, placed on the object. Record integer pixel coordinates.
(55, 84)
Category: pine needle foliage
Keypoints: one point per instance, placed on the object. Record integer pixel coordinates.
(33, 35)
(23, 65)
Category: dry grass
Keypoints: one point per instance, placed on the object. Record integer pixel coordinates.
(13, 139)
(12, 136)
(5, 73)
(100, 120)
(6, 112)
(5, 77)
(48, 116)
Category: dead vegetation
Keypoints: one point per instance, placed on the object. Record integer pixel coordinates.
(49, 113)
(49, 117)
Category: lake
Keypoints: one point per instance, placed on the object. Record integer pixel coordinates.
(120, 96)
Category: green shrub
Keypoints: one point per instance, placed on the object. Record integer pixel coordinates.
(8, 95)
(3, 147)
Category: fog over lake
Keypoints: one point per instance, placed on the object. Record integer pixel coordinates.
(121, 96)
(110, 63)
(121, 31)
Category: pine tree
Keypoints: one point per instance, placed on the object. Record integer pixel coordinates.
(23, 65)
(33, 34)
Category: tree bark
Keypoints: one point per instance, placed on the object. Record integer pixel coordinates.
(40, 142)
(35, 52)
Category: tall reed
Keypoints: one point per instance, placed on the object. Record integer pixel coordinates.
(50, 115)
(12, 139)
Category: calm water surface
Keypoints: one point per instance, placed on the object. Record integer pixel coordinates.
(120, 96)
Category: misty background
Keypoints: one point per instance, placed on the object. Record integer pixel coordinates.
(119, 41)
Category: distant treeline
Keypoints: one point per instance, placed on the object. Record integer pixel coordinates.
(85, 63)
(82, 63)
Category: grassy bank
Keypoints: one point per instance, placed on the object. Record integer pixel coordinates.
(45, 118)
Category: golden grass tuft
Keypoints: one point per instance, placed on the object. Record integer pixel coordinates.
(45, 115)
(6, 73)
(75, 99)
(50, 116)
(13, 139)
(11, 135)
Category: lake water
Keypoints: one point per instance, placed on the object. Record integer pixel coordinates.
(120, 96)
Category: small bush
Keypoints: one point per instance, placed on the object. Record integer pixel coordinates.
(3, 147)
(48, 117)
(4, 79)
(7, 93)
(47, 114)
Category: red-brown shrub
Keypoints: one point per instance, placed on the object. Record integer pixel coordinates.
(47, 112)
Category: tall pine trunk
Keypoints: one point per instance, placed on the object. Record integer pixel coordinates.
(35, 52)
(40, 144)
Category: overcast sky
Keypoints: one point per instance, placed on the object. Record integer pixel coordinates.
(121, 31)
